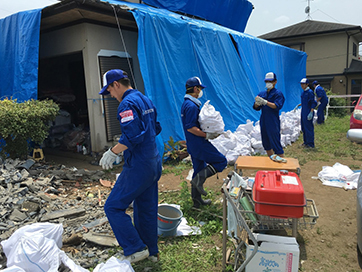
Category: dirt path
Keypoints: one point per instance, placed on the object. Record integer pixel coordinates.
(331, 244)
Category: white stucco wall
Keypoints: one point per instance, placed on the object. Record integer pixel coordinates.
(90, 39)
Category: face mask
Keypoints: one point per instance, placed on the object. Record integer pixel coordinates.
(200, 94)
(269, 85)
(307, 88)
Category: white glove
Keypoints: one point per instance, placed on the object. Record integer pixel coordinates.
(211, 135)
(296, 107)
(260, 101)
(108, 159)
(310, 116)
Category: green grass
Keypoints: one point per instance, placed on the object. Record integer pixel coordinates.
(204, 252)
(330, 141)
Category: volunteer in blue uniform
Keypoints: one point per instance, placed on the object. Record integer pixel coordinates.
(206, 159)
(270, 102)
(308, 104)
(322, 99)
(142, 169)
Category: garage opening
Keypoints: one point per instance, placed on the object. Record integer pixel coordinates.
(61, 78)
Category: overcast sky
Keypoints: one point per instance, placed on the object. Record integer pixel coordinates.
(267, 16)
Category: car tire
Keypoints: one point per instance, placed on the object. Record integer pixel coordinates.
(359, 257)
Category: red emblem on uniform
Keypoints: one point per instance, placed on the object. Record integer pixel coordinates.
(126, 116)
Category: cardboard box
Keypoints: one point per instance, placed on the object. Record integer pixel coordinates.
(275, 254)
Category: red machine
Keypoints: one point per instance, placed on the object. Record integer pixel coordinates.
(278, 194)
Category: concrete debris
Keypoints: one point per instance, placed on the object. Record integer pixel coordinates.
(32, 192)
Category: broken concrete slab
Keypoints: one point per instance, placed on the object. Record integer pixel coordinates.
(101, 239)
(63, 213)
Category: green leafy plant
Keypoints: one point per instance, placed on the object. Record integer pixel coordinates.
(337, 101)
(175, 150)
(23, 122)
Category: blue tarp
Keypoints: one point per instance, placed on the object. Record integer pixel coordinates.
(19, 54)
(230, 13)
(172, 48)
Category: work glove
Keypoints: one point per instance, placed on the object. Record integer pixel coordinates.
(296, 107)
(108, 159)
(211, 135)
(310, 116)
(260, 101)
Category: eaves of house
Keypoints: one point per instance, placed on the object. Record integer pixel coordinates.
(312, 28)
(71, 12)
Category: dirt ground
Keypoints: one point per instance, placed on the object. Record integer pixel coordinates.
(330, 245)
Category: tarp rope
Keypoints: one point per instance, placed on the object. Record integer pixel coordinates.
(232, 79)
(124, 46)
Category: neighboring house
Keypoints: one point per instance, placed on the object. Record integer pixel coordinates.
(332, 49)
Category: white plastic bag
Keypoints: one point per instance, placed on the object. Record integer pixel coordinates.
(115, 265)
(35, 248)
(210, 120)
(48, 230)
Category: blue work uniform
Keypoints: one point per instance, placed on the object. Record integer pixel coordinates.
(201, 150)
(138, 180)
(320, 93)
(308, 102)
(270, 121)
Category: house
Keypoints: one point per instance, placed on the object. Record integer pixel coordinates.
(80, 40)
(332, 49)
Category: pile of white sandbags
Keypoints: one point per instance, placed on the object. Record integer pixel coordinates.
(246, 140)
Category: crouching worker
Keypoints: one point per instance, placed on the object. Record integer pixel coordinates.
(142, 169)
(206, 159)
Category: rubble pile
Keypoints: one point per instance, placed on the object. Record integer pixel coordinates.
(33, 192)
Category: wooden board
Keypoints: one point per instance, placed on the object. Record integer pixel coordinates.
(265, 163)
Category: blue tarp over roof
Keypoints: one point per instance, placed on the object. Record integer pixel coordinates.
(172, 48)
(19, 54)
(230, 13)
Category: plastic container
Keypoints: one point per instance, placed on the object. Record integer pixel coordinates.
(278, 194)
(169, 218)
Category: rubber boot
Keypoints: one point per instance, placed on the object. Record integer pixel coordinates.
(201, 176)
(196, 198)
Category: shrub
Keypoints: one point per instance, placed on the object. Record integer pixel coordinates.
(337, 101)
(23, 122)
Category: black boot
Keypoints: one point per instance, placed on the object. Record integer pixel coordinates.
(196, 198)
(201, 176)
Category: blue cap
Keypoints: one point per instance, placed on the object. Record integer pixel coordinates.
(315, 82)
(270, 76)
(194, 81)
(109, 77)
(304, 81)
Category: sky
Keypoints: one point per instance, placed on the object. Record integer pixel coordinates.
(267, 15)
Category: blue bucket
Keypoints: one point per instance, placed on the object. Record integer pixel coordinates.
(169, 218)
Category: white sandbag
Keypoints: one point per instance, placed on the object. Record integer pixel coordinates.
(115, 265)
(219, 144)
(48, 230)
(246, 128)
(210, 120)
(34, 251)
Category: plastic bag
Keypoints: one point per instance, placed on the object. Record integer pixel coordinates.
(210, 120)
(35, 248)
(48, 230)
(114, 265)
